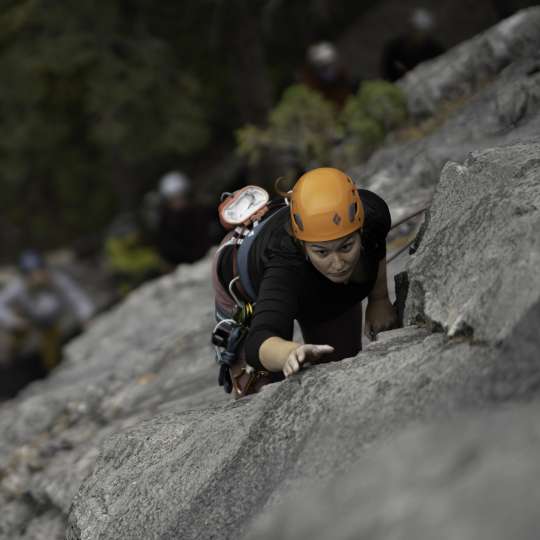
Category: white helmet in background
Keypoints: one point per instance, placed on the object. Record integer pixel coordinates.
(173, 184)
(422, 19)
(322, 54)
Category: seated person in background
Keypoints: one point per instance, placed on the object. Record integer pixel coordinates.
(185, 231)
(324, 73)
(409, 49)
(37, 303)
(129, 257)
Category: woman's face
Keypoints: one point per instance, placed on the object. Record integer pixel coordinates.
(335, 259)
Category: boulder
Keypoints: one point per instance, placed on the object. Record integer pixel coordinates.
(210, 473)
(470, 64)
(476, 269)
(142, 357)
(473, 478)
(504, 112)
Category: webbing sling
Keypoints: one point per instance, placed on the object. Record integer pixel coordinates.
(243, 255)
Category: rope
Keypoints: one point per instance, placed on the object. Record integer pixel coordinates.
(406, 218)
(400, 251)
(409, 244)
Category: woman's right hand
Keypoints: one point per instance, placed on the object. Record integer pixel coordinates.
(304, 353)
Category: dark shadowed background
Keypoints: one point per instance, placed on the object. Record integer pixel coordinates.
(98, 100)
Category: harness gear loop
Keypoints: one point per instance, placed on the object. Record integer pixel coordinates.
(234, 321)
(237, 301)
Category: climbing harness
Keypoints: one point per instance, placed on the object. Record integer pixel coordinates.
(242, 213)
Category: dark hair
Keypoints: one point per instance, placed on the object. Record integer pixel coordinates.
(285, 193)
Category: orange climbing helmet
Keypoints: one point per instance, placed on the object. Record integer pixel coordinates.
(325, 205)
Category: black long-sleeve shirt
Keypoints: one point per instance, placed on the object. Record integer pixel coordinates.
(289, 287)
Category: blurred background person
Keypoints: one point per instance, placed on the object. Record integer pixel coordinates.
(129, 257)
(417, 44)
(38, 306)
(184, 229)
(324, 72)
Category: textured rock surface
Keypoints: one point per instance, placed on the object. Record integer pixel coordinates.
(473, 478)
(136, 411)
(476, 270)
(502, 113)
(149, 354)
(466, 66)
(462, 481)
(208, 473)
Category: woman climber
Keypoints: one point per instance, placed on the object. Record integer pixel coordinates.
(312, 260)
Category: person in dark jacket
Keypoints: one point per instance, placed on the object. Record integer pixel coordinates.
(37, 302)
(413, 47)
(325, 73)
(185, 230)
(313, 261)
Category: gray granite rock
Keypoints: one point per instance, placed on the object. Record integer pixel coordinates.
(474, 478)
(476, 269)
(147, 355)
(465, 67)
(502, 113)
(210, 473)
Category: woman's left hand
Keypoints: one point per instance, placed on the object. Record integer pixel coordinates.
(380, 316)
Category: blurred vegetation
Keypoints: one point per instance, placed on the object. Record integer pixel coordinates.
(99, 99)
(90, 99)
(303, 124)
(131, 262)
(307, 131)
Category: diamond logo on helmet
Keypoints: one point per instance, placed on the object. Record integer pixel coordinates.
(298, 220)
(352, 211)
(336, 219)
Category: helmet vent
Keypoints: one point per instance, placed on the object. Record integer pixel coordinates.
(336, 219)
(298, 221)
(352, 211)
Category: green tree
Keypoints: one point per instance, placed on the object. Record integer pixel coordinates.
(91, 99)
(98, 99)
